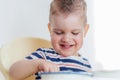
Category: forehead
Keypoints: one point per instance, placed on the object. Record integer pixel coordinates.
(69, 21)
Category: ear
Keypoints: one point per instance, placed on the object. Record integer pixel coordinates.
(86, 29)
(49, 27)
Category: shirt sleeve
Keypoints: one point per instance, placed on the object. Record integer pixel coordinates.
(38, 54)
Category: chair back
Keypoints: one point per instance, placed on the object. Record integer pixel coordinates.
(17, 49)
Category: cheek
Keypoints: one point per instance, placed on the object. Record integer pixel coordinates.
(79, 40)
(53, 36)
(54, 39)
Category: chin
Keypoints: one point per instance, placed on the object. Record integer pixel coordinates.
(67, 55)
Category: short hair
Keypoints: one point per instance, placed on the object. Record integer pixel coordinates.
(69, 6)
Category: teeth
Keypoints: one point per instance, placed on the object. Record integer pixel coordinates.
(66, 46)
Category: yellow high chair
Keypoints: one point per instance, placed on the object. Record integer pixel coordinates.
(18, 49)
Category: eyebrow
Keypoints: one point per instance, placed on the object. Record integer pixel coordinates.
(57, 29)
(62, 30)
(77, 30)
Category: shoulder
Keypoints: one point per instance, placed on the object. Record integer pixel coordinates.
(86, 62)
(46, 50)
(40, 53)
(81, 60)
(85, 59)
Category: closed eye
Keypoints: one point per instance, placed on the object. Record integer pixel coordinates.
(58, 33)
(75, 33)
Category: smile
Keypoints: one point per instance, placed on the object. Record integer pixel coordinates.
(66, 46)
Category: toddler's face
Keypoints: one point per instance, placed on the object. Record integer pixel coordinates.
(66, 34)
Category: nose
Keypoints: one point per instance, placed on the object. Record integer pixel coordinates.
(66, 38)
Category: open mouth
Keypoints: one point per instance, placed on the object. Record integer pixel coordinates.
(66, 46)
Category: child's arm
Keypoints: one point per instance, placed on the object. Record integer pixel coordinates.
(24, 68)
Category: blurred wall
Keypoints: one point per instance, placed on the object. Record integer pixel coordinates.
(23, 18)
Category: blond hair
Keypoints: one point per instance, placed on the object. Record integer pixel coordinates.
(67, 7)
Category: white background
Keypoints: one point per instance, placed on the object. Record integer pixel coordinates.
(107, 33)
(20, 18)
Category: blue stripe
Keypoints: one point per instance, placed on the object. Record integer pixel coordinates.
(39, 49)
(85, 59)
(37, 55)
(37, 76)
(29, 57)
(52, 52)
(67, 60)
(47, 51)
(53, 59)
(71, 69)
(75, 61)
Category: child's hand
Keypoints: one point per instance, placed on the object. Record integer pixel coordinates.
(47, 66)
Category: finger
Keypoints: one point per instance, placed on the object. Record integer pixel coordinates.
(54, 68)
(46, 69)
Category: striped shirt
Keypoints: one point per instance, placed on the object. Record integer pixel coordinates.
(71, 63)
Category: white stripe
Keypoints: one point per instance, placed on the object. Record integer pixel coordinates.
(72, 65)
(34, 57)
